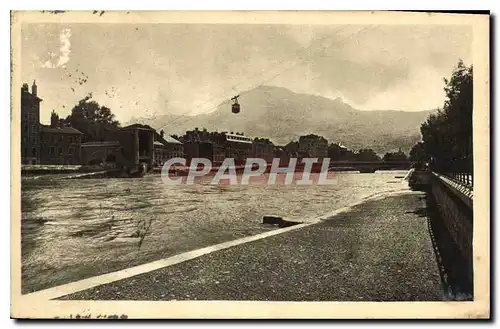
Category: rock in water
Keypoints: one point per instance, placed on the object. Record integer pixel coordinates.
(276, 220)
(273, 220)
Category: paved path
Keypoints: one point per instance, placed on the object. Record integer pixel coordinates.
(380, 250)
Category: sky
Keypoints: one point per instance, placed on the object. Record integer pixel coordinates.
(143, 70)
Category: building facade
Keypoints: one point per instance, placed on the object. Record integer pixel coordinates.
(138, 144)
(30, 125)
(60, 145)
(97, 153)
(238, 147)
(313, 146)
(166, 147)
(263, 148)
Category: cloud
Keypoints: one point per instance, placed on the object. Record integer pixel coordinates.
(65, 51)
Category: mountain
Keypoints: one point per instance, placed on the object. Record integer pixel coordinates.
(283, 116)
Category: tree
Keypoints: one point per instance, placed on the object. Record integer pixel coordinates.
(418, 154)
(447, 135)
(92, 119)
(366, 155)
(395, 156)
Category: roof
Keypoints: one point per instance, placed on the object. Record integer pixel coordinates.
(137, 126)
(171, 140)
(158, 143)
(60, 130)
(165, 139)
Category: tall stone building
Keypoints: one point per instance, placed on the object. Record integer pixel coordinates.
(30, 125)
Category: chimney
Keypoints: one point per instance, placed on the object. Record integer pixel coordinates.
(25, 87)
(162, 133)
(34, 88)
(54, 119)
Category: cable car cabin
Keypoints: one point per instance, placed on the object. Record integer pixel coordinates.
(235, 108)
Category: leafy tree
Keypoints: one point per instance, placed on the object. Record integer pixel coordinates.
(395, 156)
(418, 154)
(366, 155)
(447, 135)
(92, 119)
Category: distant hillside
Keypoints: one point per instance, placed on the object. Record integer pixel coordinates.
(282, 116)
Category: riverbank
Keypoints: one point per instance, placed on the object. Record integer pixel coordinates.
(378, 250)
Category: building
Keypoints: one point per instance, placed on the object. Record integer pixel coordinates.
(98, 153)
(313, 146)
(166, 147)
(131, 147)
(137, 142)
(175, 149)
(216, 146)
(263, 148)
(203, 144)
(30, 125)
(59, 143)
(238, 147)
(203, 150)
(284, 156)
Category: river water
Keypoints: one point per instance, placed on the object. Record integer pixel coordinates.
(74, 229)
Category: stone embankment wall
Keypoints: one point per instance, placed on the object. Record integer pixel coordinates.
(454, 203)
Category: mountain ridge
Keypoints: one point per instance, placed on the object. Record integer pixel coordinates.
(283, 115)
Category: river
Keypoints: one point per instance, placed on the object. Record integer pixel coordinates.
(74, 229)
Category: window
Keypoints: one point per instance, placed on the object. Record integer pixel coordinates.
(70, 139)
(61, 138)
(54, 139)
(33, 152)
(70, 151)
(60, 151)
(51, 150)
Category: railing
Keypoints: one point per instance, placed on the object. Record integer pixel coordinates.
(461, 171)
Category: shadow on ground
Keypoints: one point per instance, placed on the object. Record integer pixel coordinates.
(454, 270)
